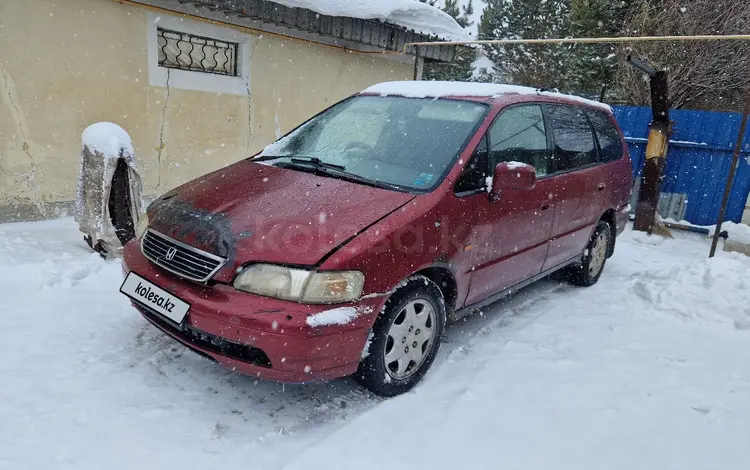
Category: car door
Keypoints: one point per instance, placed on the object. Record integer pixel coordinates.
(571, 165)
(609, 189)
(512, 232)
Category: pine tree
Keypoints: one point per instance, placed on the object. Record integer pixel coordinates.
(462, 15)
(593, 67)
(541, 66)
(489, 24)
(461, 68)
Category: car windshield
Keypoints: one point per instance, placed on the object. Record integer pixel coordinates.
(403, 142)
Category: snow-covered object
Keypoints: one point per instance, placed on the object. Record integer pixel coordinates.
(102, 145)
(482, 64)
(488, 183)
(739, 233)
(410, 14)
(436, 89)
(108, 139)
(516, 165)
(335, 316)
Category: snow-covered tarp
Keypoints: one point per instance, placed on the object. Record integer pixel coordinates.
(102, 145)
(409, 14)
(437, 89)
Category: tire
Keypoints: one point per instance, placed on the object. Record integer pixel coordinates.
(414, 309)
(594, 258)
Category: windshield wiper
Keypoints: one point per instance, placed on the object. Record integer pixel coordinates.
(317, 162)
(264, 158)
(354, 178)
(314, 161)
(333, 171)
(314, 164)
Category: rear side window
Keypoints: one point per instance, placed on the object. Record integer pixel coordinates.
(574, 139)
(610, 146)
(519, 135)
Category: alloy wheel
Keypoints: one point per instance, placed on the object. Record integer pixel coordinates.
(409, 339)
(598, 253)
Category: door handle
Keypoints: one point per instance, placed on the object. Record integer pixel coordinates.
(601, 186)
(545, 207)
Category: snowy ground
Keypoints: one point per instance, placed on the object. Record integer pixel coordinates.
(649, 369)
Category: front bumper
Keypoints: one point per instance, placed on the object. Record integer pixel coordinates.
(258, 336)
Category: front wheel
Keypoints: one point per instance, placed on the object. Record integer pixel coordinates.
(594, 257)
(405, 340)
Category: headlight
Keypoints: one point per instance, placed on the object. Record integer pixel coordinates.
(300, 285)
(142, 225)
(272, 281)
(333, 287)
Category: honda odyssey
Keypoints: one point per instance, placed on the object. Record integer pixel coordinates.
(347, 246)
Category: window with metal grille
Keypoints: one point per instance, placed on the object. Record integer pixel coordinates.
(186, 51)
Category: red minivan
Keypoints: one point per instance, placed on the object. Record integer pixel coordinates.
(346, 246)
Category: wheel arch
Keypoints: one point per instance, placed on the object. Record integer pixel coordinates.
(444, 278)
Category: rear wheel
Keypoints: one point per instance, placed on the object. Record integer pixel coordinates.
(406, 338)
(594, 257)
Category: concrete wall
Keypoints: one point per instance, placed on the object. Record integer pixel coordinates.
(65, 65)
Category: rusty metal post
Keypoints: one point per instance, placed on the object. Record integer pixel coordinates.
(656, 150)
(730, 178)
(653, 168)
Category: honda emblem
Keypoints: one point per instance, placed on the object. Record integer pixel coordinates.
(170, 254)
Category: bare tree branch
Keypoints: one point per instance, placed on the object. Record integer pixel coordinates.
(701, 75)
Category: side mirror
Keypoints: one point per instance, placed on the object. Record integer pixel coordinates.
(512, 175)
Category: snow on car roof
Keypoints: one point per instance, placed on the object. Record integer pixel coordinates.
(409, 14)
(430, 89)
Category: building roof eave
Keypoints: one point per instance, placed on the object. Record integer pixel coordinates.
(355, 34)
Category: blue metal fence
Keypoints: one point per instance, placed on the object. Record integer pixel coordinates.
(700, 153)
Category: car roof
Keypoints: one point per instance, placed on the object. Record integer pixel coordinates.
(485, 92)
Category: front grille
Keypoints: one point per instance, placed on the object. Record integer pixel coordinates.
(179, 258)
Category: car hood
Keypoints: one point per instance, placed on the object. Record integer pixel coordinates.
(254, 212)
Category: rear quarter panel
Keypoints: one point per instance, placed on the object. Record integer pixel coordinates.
(622, 174)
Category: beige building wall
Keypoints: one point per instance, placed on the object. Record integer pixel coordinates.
(67, 64)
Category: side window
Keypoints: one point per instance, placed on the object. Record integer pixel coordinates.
(610, 145)
(574, 139)
(474, 173)
(519, 135)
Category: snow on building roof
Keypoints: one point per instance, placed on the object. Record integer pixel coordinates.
(435, 89)
(409, 14)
